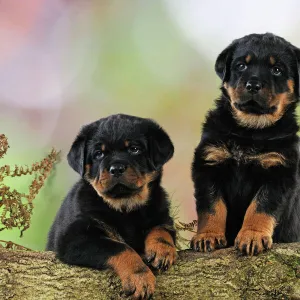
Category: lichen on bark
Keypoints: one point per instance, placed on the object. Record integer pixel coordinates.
(218, 275)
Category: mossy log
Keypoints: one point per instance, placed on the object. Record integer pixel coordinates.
(218, 275)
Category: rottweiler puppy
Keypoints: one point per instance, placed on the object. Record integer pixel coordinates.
(118, 212)
(246, 166)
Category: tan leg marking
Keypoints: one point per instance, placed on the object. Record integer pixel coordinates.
(256, 233)
(137, 279)
(211, 229)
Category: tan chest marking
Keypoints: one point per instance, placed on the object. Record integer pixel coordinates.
(267, 160)
(214, 155)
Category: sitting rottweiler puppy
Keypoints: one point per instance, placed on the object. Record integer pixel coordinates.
(246, 166)
(118, 212)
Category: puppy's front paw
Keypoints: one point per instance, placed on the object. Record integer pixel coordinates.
(137, 279)
(207, 242)
(140, 284)
(253, 242)
(160, 256)
(160, 251)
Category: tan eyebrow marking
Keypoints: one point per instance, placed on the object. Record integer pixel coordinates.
(248, 58)
(272, 60)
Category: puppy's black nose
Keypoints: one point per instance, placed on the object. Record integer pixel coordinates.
(117, 170)
(253, 86)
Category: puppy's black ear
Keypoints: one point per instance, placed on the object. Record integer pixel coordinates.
(77, 154)
(160, 146)
(222, 66)
(297, 79)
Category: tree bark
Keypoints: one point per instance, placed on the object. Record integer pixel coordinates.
(218, 275)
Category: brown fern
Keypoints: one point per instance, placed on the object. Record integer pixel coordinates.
(3, 145)
(16, 208)
(180, 226)
(12, 246)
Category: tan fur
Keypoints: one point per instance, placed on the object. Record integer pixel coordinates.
(213, 222)
(103, 182)
(253, 121)
(248, 58)
(272, 60)
(131, 177)
(154, 245)
(155, 234)
(291, 85)
(257, 228)
(216, 154)
(103, 147)
(130, 203)
(212, 226)
(126, 144)
(126, 263)
(266, 120)
(134, 274)
(281, 101)
(231, 92)
(267, 160)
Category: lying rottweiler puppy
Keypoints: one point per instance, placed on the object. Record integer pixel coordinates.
(246, 167)
(118, 211)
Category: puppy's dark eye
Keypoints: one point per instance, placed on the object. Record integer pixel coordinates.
(241, 67)
(134, 150)
(276, 71)
(98, 154)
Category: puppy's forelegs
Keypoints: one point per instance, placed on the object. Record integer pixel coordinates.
(85, 244)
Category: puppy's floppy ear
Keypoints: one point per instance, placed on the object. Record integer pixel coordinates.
(222, 66)
(160, 146)
(77, 154)
(297, 79)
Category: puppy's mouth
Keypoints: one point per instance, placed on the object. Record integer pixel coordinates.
(121, 190)
(131, 186)
(253, 107)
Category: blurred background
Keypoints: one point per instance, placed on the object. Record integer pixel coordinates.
(64, 63)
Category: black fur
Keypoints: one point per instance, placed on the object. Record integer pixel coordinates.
(81, 233)
(239, 181)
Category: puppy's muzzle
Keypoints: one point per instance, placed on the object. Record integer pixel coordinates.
(120, 179)
(254, 99)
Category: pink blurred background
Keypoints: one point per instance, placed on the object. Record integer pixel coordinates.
(64, 63)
